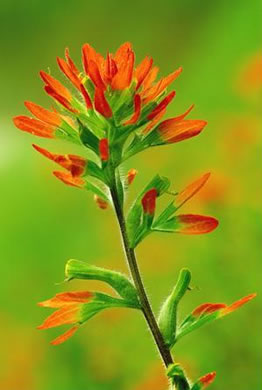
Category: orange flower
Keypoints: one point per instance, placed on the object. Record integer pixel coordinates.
(70, 311)
(104, 149)
(101, 203)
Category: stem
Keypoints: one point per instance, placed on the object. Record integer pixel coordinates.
(134, 270)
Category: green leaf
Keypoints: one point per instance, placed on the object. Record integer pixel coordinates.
(164, 216)
(97, 190)
(76, 269)
(167, 319)
(88, 138)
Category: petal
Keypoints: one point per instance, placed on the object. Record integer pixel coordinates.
(50, 117)
(86, 97)
(124, 75)
(172, 131)
(71, 63)
(191, 190)
(195, 224)
(101, 104)
(234, 306)
(131, 174)
(65, 315)
(57, 87)
(207, 379)
(153, 122)
(51, 92)
(110, 69)
(149, 201)
(122, 53)
(89, 54)
(65, 336)
(101, 203)
(68, 179)
(61, 299)
(143, 70)
(182, 116)
(95, 76)
(75, 164)
(34, 126)
(104, 149)
(160, 86)
(150, 78)
(161, 106)
(65, 68)
(208, 308)
(137, 111)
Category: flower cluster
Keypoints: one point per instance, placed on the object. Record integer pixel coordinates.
(115, 111)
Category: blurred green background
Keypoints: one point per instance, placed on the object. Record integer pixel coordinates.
(44, 223)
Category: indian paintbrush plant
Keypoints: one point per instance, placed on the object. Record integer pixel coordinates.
(115, 112)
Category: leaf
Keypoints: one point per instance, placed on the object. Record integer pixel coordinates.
(88, 138)
(167, 319)
(76, 269)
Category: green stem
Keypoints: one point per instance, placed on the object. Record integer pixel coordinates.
(134, 270)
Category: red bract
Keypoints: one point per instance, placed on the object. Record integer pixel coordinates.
(149, 201)
(195, 224)
(207, 379)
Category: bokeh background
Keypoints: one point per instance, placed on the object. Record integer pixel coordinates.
(44, 223)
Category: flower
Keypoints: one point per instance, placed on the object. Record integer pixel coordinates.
(114, 99)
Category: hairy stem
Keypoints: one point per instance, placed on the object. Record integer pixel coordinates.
(134, 270)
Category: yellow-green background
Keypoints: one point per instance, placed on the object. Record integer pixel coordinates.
(44, 223)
